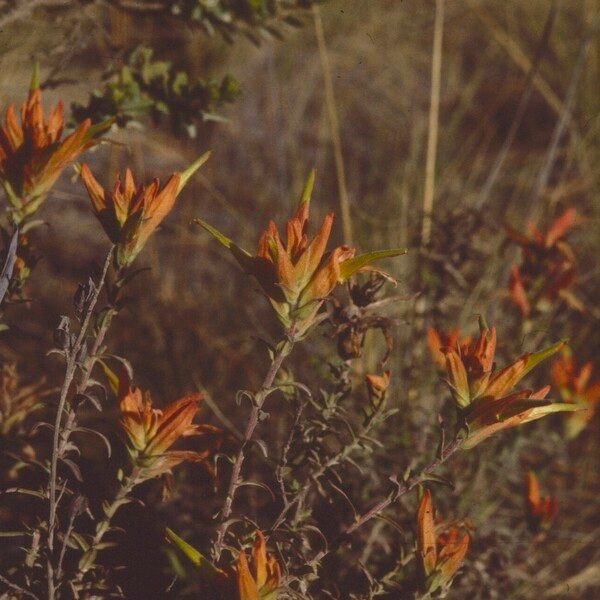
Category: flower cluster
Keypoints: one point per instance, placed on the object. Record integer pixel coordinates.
(576, 388)
(548, 268)
(485, 398)
(440, 556)
(151, 432)
(33, 153)
(129, 214)
(299, 275)
(257, 579)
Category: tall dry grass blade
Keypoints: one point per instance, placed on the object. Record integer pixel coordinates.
(334, 127)
(520, 113)
(434, 110)
(565, 117)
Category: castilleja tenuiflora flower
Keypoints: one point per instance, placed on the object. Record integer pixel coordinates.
(548, 268)
(299, 275)
(32, 153)
(151, 432)
(540, 511)
(129, 214)
(575, 387)
(259, 579)
(440, 556)
(485, 398)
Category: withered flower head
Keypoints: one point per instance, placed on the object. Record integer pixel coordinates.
(129, 214)
(297, 276)
(575, 388)
(440, 556)
(485, 398)
(541, 511)
(151, 431)
(548, 268)
(259, 579)
(32, 153)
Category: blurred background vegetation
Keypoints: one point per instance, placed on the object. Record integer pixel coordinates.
(256, 93)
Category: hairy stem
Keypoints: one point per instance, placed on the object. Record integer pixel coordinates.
(259, 398)
(70, 370)
(103, 526)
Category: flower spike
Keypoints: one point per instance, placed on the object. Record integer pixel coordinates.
(440, 556)
(299, 274)
(130, 214)
(575, 388)
(33, 153)
(485, 398)
(257, 579)
(151, 432)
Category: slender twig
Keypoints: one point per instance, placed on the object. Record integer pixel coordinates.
(434, 111)
(258, 400)
(17, 588)
(334, 126)
(402, 489)
(70, 370)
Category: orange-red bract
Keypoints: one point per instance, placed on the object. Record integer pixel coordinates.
(438, 339)
(298, 275)
(485, 398)
(440, 556)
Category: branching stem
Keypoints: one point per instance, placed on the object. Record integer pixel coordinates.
(259, 398)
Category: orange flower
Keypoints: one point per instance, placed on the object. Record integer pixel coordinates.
(486, 399)
(548, 268)
(297, 276)
(541, 511)
(437, 339)
(258, 580)
(151, 431)
(261, 579)
(377, 386)
(575, 388)
(440, 556)
(130, 214)
(32, 155)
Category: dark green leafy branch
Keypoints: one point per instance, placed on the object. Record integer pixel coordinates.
(145, 87)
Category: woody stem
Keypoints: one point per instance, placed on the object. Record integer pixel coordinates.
(70, 370)
(283, 350)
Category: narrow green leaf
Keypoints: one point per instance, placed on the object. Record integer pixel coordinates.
(185, 176)
(308, 188)
(349, 267)
(537, 357)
